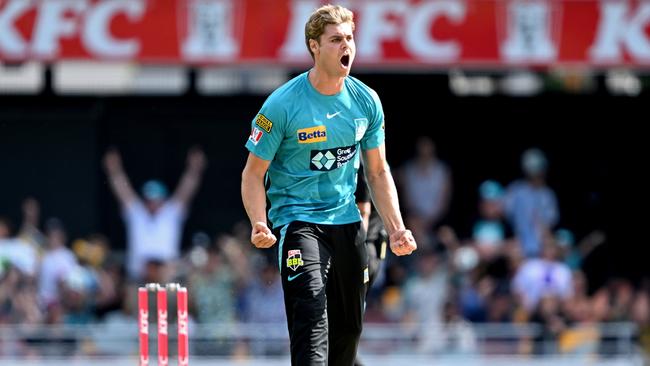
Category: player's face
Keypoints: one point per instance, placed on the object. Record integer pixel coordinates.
(336, 50)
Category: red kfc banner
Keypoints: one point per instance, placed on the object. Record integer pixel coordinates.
(389, 34)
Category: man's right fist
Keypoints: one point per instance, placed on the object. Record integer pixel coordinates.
(261, 235)
(402, 242)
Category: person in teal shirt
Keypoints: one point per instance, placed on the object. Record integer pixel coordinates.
(305, 147)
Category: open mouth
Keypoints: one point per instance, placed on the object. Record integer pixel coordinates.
(345, 60)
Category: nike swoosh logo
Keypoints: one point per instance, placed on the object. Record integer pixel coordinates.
(291, 278)
(330, 116)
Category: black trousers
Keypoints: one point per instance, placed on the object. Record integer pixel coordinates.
(377, 244)
(324, 271)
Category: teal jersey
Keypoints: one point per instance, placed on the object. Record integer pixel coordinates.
(313, 142)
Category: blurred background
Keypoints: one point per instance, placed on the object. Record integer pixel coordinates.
(508, 130)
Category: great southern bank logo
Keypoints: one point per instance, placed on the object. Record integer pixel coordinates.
(328, 159)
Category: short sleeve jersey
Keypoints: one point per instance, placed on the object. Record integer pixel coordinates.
(313, 142)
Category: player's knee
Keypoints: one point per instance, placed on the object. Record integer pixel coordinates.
(350, 335)
(350, 329)
(310, 309)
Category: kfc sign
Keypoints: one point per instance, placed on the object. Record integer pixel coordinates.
(55, 25)
(399, 33)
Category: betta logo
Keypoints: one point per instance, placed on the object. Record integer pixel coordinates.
(312, 134)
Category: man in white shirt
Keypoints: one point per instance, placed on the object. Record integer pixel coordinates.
(16, 251)
(154, 222)
(58, 262)
(537, 278)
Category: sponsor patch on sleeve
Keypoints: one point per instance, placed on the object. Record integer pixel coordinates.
(264, 122)
(256, 135)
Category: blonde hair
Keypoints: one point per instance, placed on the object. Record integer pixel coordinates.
(323, 16)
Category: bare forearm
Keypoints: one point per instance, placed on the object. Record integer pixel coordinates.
(384, 193)
(121, 186)
(188, 185)
(254, 197)
(190, 180)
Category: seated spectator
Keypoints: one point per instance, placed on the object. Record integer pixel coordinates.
(17, 252)
(58, 262)
(490, 232)
(426, 187)
(542, 277)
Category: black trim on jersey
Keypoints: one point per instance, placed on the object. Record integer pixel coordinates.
(267, 186)
(362, 194)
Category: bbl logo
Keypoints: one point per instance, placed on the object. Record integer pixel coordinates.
(294, 259)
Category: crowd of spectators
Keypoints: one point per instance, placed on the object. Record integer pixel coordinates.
(515, 266)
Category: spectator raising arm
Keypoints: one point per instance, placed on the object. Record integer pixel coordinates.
(118, 179)
(191, 179)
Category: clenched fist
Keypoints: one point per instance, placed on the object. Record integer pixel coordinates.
(402, 242)
(261, 236)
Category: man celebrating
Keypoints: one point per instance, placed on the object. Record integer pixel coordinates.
(304, 145)
(154, 221)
